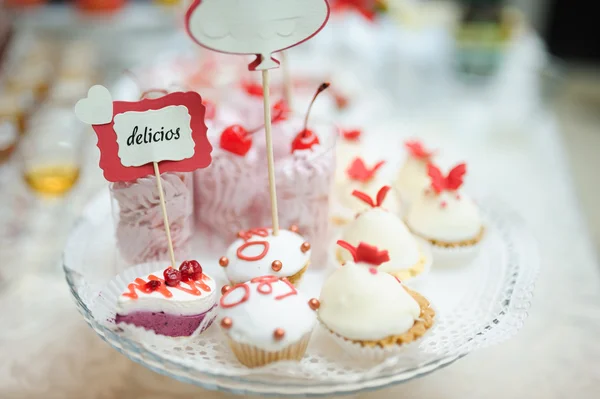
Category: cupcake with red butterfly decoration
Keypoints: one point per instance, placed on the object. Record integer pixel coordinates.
(367, 179)
(412, 178)
(446, 216)
(368, 312)
(349, 146)
(409, 257)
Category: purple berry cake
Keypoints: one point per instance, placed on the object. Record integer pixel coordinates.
(174, 303)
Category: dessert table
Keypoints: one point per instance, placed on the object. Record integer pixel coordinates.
(48, 351)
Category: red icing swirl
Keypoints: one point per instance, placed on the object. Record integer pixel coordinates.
(264, 286)
(240, 251)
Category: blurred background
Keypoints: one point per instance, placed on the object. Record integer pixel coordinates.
(499, 79)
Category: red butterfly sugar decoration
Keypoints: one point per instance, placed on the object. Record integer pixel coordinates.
(351, 135)
(364, 197)
(366, 253)
(417, 150)
(452, 182)
(359, 171)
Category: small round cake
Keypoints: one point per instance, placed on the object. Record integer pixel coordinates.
(170, 302)
(362, 178)
(444, 215)
(257, 252)
(412, 178)
(267, 320)
(383, 229)
(368, 308)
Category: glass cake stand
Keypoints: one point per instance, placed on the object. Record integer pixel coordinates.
(477, 305)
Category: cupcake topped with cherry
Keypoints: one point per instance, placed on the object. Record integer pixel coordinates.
(364, 307)
(365, 178)
(383, 229)
(444, 214)
(171, 302)
(412, 177)
(259, 252)
(266, 319)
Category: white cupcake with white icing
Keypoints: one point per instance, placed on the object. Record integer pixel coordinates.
(445, 215)
(367, 310)
(365, 179)
(383, 229)
(412, 178)
(258, 252)
(267, 320)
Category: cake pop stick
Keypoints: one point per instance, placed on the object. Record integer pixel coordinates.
(270, 160)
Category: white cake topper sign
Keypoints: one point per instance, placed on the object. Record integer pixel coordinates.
(154, 136)
(133, 137)
(260, 27)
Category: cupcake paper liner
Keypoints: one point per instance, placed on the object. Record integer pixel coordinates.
(252, 356)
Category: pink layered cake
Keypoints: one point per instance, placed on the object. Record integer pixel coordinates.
(140, 230)
(174, 303)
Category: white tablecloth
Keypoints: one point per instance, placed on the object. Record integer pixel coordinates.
(47, 350)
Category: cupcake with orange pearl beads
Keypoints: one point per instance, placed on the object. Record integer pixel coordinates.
(259, 252)
(267, 320)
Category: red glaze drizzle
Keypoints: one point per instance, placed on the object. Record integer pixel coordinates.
(247, 244)
(243, 286)
(193, 289)
(293, 290)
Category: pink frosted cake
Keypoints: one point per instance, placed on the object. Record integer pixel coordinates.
(174, 303)
(140, 230)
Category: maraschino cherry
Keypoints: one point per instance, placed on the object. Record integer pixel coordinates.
(190, 270)
(236, 140)
(306, 139)
(172, 277)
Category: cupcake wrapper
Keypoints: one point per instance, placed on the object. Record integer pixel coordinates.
(375, 354)
(294, 279)
(252, 356)
(454, 257)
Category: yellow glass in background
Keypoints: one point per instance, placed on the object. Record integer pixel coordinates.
(51, 153)
(52, 180)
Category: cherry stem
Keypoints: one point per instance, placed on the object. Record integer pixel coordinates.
(273, 119)
(321, 89)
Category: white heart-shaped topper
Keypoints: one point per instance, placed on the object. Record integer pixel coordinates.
(96, 108)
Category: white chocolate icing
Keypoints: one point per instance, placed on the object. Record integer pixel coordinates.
(412, 178)
(385, 231)
(255, 320)
(458, 220)
(181, 303)
(285, 247)
(360, 305)
(371, 187)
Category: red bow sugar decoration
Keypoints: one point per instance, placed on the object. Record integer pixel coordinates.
(359, 171)
(417, 150)
(451, 182)
(366, 253)
(366, 8)
(381, 194)
(351, 135)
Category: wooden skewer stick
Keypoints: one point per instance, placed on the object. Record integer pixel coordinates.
(163, 206)
(270, 161)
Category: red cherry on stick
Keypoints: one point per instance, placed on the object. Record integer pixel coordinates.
(306, 139)
(195, 269)
(172, 277)
(186, 271)
(236, 140)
